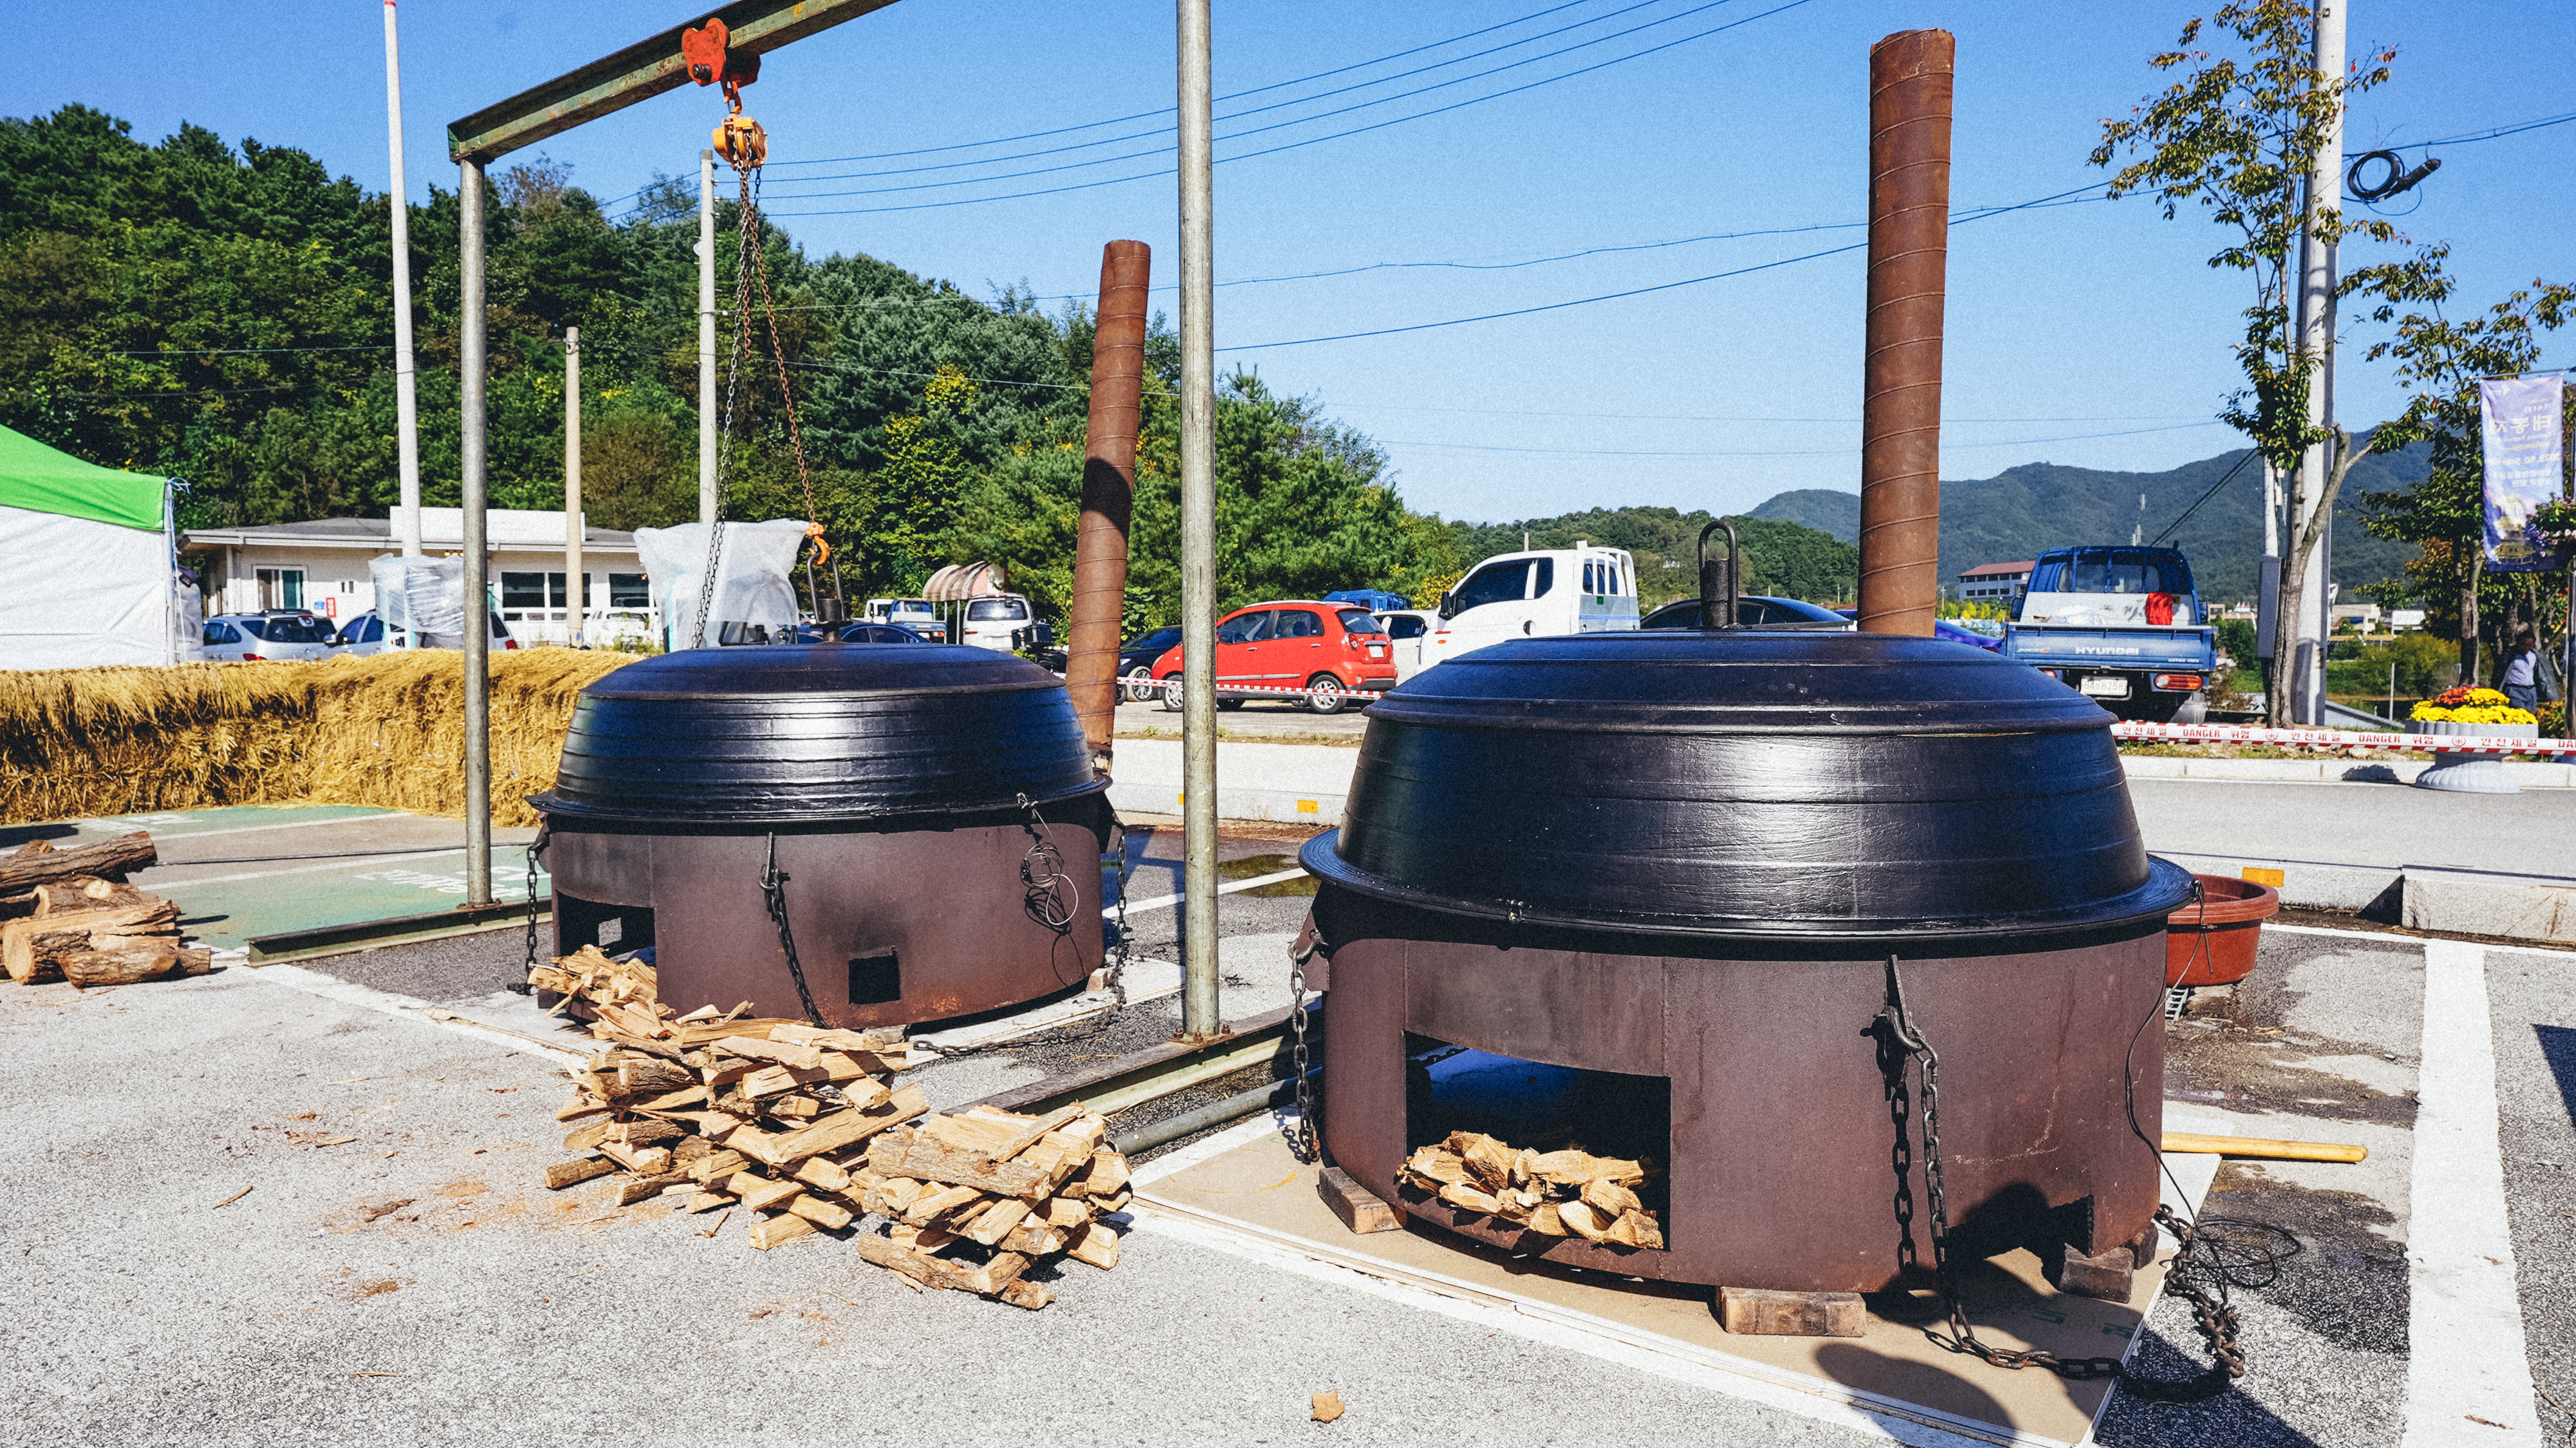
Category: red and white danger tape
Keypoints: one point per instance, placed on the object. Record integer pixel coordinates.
(1275, 691)
(2337, 739)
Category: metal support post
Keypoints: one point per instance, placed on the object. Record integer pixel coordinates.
(574, 593)
(406, 390)
(2316, 340)
(1198, 527)
(707, 403)
(478, 613)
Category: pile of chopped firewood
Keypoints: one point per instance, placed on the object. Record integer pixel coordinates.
(589, 975)
(766, 1115)
(90, 930)
(975, 1199)
(1567, 1193)
(800, 1127)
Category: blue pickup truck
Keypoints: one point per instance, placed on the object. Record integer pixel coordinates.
(2122, 626)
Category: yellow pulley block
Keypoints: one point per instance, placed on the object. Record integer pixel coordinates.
(741, 141)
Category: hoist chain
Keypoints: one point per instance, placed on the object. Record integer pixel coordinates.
(1899, 1042)
(773, 888)
(536, 847)
(1113, 969)
(1308, 1145)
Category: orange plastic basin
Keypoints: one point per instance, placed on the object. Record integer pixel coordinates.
(2211, 941)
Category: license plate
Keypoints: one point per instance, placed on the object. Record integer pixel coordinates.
(1375, 652)
(2104, 687)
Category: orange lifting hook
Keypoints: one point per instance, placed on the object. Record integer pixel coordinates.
(707, 53)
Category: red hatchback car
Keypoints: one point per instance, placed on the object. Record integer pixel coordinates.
(1324, 650)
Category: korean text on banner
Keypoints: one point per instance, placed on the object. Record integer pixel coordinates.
(2523, 448)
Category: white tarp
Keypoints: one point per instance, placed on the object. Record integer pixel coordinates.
(752, 583)
(76, 593)
(423, 595)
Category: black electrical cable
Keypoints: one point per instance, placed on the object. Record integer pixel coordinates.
(2250, 455)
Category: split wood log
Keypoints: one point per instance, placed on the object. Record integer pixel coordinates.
(88, 892)
(107, 860)
(820, 1212)
(1025, 1293)
(641, 1188)
(89, 969)
(832, 1133)
(768, 1232)
(1096, 1244)
(32, 949)
(987, 1280)
(581, 1169)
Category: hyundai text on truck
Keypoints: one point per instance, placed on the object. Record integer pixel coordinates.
(2122, 626)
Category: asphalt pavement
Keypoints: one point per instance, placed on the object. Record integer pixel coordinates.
(154, 1304)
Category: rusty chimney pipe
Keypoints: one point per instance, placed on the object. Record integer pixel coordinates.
(1909, 240)
(1108, 496)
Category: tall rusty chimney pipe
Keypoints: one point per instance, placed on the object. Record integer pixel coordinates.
(1108, 496)
(1909, 240)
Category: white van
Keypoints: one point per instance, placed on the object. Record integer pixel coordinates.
(1003, 621)
(1581, 589)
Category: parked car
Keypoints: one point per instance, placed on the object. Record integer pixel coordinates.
(918, 614)
(1136, 661)
(368, 634)
(1326, 650)
(1006, 623)
(1375, 600)
(1950, 631)
(878, 633)
(277, 636)
(1545, 591)
(1407, 631)
(1754, 610)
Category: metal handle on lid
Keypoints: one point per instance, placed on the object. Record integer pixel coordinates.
(1719, 582)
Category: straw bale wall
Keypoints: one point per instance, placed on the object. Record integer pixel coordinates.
(387, 731)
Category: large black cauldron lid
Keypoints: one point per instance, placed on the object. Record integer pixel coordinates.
(816, 733)
(1747, 784)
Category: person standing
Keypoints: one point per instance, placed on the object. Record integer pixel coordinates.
(2521, 679)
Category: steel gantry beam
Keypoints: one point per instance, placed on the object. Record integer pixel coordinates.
(639, 72)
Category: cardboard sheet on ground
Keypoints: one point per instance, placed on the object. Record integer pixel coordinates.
(1258, 1189)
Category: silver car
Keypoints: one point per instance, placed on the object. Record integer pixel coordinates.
(280, 635)
(367, 634)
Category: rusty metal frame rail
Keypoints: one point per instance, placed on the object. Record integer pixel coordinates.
(1159, 1071)
(637, 73)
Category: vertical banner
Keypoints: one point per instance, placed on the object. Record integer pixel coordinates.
(2522, 434)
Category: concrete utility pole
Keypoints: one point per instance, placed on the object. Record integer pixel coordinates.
(1198, 527)
(2316, 339)
(406, 394)
(707, 403)
(1909, 246)
(478, 613)
(574, 598)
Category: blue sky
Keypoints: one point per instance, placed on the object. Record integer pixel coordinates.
(2090, 334)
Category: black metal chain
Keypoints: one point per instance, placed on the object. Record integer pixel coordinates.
(1900, 1041)
(536, 847)
(1307, 1144)
(773, 886)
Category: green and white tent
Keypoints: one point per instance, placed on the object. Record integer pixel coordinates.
(89, 567)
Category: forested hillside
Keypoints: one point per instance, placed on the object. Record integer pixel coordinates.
(2022, 511)
(223, 315)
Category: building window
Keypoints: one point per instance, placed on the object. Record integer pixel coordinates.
(629, 590)
(281, 587)
(524, 590)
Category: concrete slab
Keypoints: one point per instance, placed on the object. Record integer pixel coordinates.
(2509, 907)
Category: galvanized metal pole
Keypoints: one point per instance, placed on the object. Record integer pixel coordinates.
(707, 403)
(2307, 641)
(1198, 528)
(478, 614)
(573, 591)
(1909, 242)
(406, 392)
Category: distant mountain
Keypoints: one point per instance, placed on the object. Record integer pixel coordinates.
(2023, 511)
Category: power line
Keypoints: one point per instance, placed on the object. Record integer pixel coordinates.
(2250, 455)
(1159, 174)
(1165, 110)
(2497, 133)
(1260, 110)
(1786, 453)
(1638, 291)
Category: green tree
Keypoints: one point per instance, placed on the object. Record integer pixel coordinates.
(2237, 134)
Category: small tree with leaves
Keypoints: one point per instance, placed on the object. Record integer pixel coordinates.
(2237, 135)
(2444, 513)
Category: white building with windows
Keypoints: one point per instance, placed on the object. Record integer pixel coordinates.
(322, 566)
(1995, 582)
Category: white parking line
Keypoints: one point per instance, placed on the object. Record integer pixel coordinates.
(2467, 1373)
(1164, 902)
(344, 863)
(116, 826)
